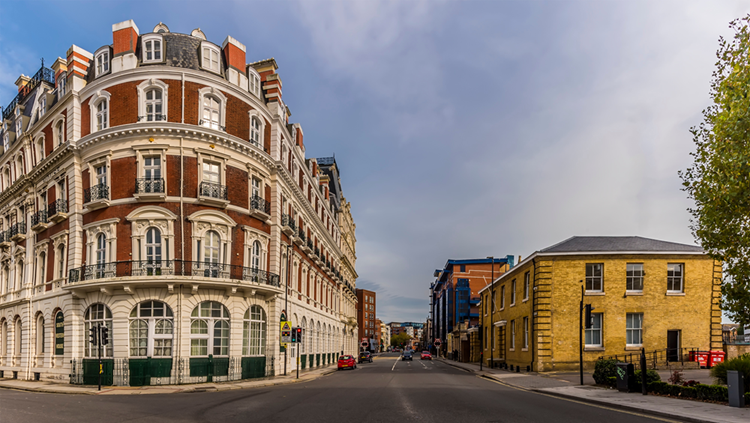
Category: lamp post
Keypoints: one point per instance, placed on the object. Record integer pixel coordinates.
(492, 313)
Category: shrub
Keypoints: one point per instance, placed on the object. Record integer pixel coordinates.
(690, 383)
(676, 378)
(651, 376)
(741, 364)
(604, 370)
(699, 391)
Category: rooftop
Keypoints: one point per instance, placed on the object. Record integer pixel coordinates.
(618, 244)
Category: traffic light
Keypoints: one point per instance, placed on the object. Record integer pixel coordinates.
(105, 335)
(298, 333)
(93, 335)
(294, 335)
(588, 320)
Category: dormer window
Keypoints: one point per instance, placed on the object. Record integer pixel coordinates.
(254, 83)
(210, 55)
(152, 48)
(61, 85)
(18, 127)
(18, 111)
(102, 61)
(42, 105)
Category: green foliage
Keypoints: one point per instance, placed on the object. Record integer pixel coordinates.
(699, 391)
(651, 376)
(741, 364)
(400, 340)
(719, 179)
(604, 370)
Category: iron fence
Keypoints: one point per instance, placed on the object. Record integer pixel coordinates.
(259, 203)
(149, 185)
(42, 75)
(172, 268)
(656, 357)
(97, 192)
(39, 217)
(18, 228)
(169, 371)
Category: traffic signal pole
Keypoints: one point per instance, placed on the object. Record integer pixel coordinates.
(99, 351)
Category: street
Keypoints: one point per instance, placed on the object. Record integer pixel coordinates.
(386, 390)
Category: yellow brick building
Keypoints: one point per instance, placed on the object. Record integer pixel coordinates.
(659, 295)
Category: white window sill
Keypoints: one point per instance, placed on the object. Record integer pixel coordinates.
(634, 293)
(524, 349)
(594, 293)
(633, 347)
(675, 294)
(593, 348)
(525, 299)
(512, 304)
(511, 349)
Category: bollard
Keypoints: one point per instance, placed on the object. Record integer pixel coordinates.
(736, 387)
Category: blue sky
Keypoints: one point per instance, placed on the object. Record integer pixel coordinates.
(462, 129)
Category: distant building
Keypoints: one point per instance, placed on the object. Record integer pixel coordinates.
(646, 293)
(366, 319)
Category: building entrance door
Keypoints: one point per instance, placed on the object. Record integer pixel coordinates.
(673, 345)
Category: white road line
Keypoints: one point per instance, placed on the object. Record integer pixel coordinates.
(394, 363)
(422, 364)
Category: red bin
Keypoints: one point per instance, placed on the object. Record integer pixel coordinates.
(716, 358)
(703, 358)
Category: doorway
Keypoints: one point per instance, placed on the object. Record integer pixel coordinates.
(673, 345)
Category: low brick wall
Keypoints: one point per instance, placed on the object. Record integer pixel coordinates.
(736, 350)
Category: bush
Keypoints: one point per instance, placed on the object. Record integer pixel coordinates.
(604, 370)
(699, 391)
(676, 378)
(651, 376)
(741, 364)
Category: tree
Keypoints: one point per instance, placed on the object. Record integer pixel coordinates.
(400, 340)
(719, 179)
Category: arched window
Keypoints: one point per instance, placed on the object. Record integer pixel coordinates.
(302, 346)
(255, 257)
(42, 269)
(154, 105)
(39, 146)
(211, 117)
(153, 252)
(40, 335)
(98, 315)
(3, 339)
(102, 114)
(61, 261)
(60, 135)
(17, 338)
(254, 332)
(6, 279)
(255, 131)
(151, 329)
(209, 330)
(20, 273)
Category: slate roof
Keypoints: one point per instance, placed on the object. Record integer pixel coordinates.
(618, 243)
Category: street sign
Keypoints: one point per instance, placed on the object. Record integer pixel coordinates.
(286, 333)
(437, 342)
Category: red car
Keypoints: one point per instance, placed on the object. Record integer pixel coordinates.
(426, 355)
(347, 362)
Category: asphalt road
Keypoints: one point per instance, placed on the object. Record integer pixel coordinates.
(387, 390)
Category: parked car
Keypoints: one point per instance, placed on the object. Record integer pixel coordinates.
(365, 356)
(406, 356)
(347, 362)
(426, 355)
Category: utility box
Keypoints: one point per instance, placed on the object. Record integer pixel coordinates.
(736, 388)
(625, 377)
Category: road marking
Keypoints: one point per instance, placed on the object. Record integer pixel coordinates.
(422, 364)
(394, 363)
(649, 416)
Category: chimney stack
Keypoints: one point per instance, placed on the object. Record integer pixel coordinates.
(234, 55)
(124, 44)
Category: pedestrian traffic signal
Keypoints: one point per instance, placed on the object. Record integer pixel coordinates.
(105, 335)
(588, 322)
(93, 332)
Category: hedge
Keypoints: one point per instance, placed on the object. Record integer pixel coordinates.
(701, 392)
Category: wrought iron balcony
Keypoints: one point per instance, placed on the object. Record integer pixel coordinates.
(18, 231)
(204, 269)
(260, 207)
(149, 185)
(39, 220)
(287, 225)
(154, 117)
(5, 238)
(96, 193)
(310, 244)
(302, 236)
(317, 251)
(212, 190)
(57, 210)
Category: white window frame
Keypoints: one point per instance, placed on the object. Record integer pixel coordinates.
(61, 84)
(671, 279)
(151, 38)
(213, 49)
(143, 88)
(512, 335)
(94, 101)
(19, 127)
(596, 328)
(526, 285)
(42, 105)
(59, 240)
(593, 278)
(102, 61)
(150, 150)
(211, 91)
(211, 220)
(210, 322)
(254, 84)
(252, 236)
(151, 335)
(39, 146)
(58, 132)
(42, 260)
(107, 227)
(631, 329)
(633, 273)
(525, 333)
(254, 332)
(88, 320)
(253, 114)
(513, 293)
(146, 217)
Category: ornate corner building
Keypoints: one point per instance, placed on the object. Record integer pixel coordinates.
(156, 187)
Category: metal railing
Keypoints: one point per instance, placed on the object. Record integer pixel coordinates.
(42, 75)
(301, 235)
(287, 221)
(210, 189)
(18, 228)
(656, 357)
(149, 185)
(153, 117)
(259, 203)
(317, 251)
(57, 206)
(310, 244)
(172, 268)
(5, 236)
(97, 192)
(39, 217)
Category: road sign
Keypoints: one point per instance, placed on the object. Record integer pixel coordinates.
(286, 332)
(437, 342)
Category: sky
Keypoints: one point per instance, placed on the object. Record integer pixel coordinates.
(462, 129)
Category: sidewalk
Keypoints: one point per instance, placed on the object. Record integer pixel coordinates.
(686, 410)
(58, 388)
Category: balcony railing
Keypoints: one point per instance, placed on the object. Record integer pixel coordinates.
(317, 251)
(310, 244)
(97, 192)
(301, 236)
(259, 203)
(57, 206)
(172, 268)
(152, 117)
(287, 221)
(39, 217)
(18, 228)
(42, 75)
(212, 190)
(4, 236)
(149, 186)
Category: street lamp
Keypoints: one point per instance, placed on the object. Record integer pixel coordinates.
(492, 314)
